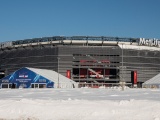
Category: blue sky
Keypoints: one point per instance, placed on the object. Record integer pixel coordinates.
(23, 19)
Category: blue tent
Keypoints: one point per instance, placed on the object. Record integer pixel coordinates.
(25, 78)
(36, 78)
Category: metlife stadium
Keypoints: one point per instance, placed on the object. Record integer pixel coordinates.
(85, 59)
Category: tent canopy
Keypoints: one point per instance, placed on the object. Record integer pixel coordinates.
(27, 77)
(153, 82)
(53, 76)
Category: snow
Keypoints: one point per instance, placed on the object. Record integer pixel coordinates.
(80, 104)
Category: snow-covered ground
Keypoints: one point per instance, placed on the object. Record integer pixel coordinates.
(79, 104)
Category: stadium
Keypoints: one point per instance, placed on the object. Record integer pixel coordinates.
(85, 59)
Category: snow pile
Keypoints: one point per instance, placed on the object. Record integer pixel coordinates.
(80, 104)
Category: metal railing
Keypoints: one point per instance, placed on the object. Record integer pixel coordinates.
(102, 85)
(61, 38)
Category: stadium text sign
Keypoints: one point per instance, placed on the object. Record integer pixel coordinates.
(149, 42)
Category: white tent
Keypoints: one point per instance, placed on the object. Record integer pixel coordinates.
(64, 82)
(152, 83)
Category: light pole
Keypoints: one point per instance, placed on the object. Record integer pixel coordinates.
(122, 81)
(122, 61)
(79, 71)
(58, 71)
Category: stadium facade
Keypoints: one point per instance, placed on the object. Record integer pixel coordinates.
(86, 59)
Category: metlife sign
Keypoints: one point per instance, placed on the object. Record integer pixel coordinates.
(149, 42)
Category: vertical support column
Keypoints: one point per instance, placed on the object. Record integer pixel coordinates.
(68, 74)
(134, 78)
